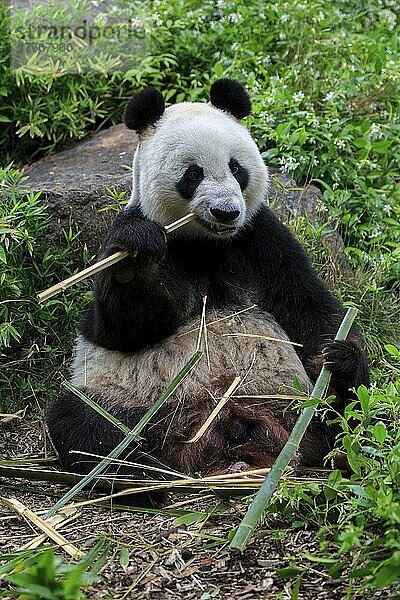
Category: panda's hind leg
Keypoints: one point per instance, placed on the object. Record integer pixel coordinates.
(74, 426)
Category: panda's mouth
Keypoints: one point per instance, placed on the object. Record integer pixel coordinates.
(217, 228)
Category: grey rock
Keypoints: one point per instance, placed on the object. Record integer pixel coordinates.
(287, 198)
(74, 183)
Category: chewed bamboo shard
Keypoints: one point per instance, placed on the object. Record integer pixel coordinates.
(43, 525)
(216, 410)
(102, 264)
(262, 337)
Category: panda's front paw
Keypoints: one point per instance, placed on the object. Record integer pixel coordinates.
(347, 363)
(145, 240)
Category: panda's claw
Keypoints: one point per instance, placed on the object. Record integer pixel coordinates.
(341, 356)
(347, 363)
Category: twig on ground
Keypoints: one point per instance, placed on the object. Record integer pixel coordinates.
(44, 526)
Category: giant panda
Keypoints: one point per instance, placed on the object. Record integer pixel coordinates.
(236, 259)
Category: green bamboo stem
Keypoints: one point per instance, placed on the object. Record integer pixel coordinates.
(132, 435)
(263, 496)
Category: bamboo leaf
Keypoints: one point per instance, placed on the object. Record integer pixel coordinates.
(90, 402)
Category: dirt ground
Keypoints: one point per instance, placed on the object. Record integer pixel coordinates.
(167, 560)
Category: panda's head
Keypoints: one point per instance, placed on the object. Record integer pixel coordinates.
(197, 157)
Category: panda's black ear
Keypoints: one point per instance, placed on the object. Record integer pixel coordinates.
(231, 96)
(143, 109)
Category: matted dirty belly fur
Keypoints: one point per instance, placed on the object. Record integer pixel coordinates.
(249, 430)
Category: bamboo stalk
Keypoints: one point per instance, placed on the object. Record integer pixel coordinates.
(44, 526)
(132, 435)
(63, 477)
(263, 496)
(102, 264)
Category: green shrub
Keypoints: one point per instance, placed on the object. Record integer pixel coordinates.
(358, 516)
(32, 336)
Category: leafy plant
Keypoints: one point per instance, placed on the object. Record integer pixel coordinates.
(358, 516)
(41, 575)
(31, 335)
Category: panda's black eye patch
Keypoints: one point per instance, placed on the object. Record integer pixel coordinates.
(189, 181)
(239, 172)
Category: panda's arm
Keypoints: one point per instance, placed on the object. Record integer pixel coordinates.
(142, 299)
(305, 308)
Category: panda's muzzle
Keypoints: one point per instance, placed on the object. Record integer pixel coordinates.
(224, 216)
(221, 222)
(217, 228)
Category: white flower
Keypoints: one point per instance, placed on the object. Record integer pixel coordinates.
(233, 18)
(387, 209)
(314, 161)
(157, 20)
(315, 122)
(375, 131)
(288, 164)
(340, 144)
(285, 17)
(330, 96)
(368, 163)
(298, 96)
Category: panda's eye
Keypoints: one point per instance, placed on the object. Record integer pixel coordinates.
(234, 166)
(239, 172)
(190, 181)
(195, 174)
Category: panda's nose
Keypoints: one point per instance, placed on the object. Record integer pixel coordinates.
(224, 216)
